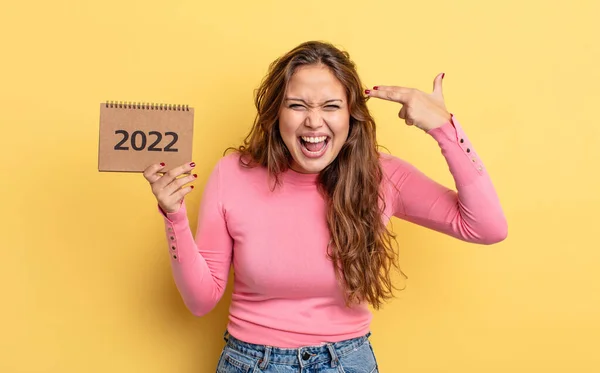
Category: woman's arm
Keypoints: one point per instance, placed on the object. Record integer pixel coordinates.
(471, 213)
(200, 265)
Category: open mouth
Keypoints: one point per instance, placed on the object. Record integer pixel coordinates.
(313, 147)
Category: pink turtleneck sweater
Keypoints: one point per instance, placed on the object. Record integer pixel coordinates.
(285, 293)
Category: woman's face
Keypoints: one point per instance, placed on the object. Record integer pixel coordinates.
(314, 119)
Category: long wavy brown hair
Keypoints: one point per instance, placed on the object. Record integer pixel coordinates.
(361, 245)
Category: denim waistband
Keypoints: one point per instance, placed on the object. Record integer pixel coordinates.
(303, 356)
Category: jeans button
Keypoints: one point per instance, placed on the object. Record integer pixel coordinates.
(305, 355)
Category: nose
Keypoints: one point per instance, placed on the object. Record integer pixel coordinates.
(313, 119)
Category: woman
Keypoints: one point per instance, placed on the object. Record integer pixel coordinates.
(301, 211)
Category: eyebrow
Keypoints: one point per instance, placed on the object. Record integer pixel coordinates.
(306, 103)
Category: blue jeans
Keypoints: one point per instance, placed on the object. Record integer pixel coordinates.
(350, 356)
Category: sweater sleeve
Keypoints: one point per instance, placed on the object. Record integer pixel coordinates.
(200, 264)
(472, 213)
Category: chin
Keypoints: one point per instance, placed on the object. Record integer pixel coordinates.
(310, 167)
(312, 163)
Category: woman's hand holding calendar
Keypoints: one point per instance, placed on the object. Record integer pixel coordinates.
(169, 188)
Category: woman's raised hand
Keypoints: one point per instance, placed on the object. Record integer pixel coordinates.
(170, 188)
(423, 110)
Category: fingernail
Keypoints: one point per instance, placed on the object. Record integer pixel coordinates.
(192, 164)
(162, 164)
(443, 75)
(376, 88)
(195, 175)
(192, 186)
(367, 91)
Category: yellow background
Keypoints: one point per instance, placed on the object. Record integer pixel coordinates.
(85, 277)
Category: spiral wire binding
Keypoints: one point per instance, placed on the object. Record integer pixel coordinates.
(146, 106)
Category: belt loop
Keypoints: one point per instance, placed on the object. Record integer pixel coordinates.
(264, 362)
(334, 357)
(226, 336)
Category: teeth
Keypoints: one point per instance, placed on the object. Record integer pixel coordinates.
(314, 139)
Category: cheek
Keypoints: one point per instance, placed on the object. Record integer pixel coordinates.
(340, 124)
(288, 124)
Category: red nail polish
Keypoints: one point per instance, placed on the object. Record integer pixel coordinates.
(191, 186)
(192, 164)
(376, 88)
(195, 175)
(162, 164)
(367, 91)
(443, 75)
